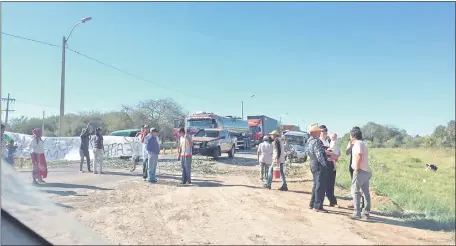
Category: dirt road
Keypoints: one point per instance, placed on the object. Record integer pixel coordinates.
(225, 205)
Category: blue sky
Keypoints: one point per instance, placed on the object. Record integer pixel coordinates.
(339, 64)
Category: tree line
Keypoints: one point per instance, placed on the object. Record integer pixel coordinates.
(159, 113)
(386, 136)
(162, 114)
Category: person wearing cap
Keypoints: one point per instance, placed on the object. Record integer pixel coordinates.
(153, 150)
(98, 152)
(316, 152)
(36, 147)
(278, 158)
(144, 131)
(185, 155)
(264, 155)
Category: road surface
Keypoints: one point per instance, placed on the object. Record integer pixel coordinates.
(225, 205)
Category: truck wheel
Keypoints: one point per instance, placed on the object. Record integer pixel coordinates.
(216, 153)
(231, 153)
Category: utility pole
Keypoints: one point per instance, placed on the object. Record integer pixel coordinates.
(42, 125)
(62, 87)
(242, 109)
(7, 110)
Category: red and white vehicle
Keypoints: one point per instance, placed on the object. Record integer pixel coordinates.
(260, 126)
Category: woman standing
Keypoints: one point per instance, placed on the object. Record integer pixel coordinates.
(98, 152)
(36, 147)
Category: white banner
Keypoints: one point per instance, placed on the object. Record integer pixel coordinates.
(59, 148)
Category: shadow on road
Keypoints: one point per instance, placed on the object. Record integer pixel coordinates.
(170, 180)
(129, 174)
(72, 186)
(179, 178)
(62, 192)
(63, 205)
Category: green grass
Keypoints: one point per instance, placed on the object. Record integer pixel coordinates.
(417, 195)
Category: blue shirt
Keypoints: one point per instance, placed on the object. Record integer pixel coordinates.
(152, 145)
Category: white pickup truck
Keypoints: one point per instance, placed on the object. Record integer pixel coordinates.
(213, 142)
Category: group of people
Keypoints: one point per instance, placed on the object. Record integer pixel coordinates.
(37, 152)
(324, 153)
(270, 153)
(323, 158)
(151, 151)
(97, 149)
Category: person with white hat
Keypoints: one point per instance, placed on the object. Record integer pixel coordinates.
(264, 155)
(278, 158)
(317, 154)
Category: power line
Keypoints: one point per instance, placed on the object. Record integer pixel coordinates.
(30, 39)
(105, 64)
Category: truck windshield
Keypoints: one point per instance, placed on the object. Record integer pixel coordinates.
(211, 134)
(298, 140)
(199, 123)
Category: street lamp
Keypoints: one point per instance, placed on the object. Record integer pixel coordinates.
(242, 106)
(62, 79)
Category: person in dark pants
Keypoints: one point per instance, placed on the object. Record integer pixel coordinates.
(348, 151)
(185, 155)
(316, 152)
(84, 149)
(330, 179)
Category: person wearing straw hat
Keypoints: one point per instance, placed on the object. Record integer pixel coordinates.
(317, 154)
(278, 158)
(264, 155)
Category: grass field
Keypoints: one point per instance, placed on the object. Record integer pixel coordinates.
(416, 194)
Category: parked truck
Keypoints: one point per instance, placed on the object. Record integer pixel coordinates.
(235, 126)
(260, 126)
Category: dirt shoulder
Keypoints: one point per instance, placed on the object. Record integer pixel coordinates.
(228, 206)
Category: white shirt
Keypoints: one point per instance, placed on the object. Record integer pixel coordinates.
(36, 146)
(186, 145)
(265, 151)
(360, 147)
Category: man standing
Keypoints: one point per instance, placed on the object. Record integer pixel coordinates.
(264, 155)
(361, 174)
(142, 135)
(185, 155)
(153, 150)
(98, 152)
(316, 152)
(348, 151)
(278, 158)
(84, 148)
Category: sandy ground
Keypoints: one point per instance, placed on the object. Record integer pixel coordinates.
(224, 205)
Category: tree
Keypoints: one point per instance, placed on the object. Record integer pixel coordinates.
(159, 113)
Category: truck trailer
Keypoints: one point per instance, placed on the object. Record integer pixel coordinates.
(260, 126)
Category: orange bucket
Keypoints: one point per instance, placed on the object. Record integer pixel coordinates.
(276, 173)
